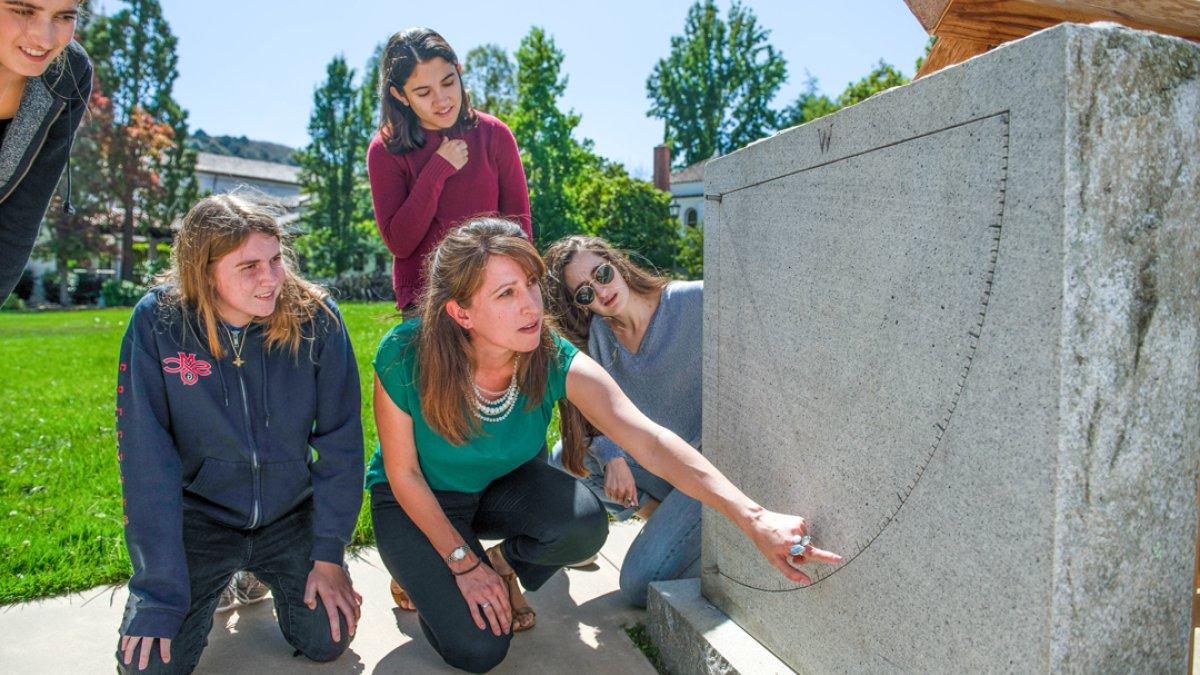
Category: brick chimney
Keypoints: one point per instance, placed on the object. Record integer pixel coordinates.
(662, 168)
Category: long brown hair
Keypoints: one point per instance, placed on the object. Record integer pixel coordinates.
(398, 124)
(455, 272)
(216, 226)
(574, 322)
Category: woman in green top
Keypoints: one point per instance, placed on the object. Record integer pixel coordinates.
(462, 401)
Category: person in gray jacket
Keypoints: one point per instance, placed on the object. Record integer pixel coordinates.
(45, 84)
(646, 331)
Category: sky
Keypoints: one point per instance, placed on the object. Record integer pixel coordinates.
(249, 67)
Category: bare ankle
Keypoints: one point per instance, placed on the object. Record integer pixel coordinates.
(648, 507)
(496, 556)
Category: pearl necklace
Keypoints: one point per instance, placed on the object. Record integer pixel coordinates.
(487, 410)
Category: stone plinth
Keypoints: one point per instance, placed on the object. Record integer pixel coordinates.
(958, 327)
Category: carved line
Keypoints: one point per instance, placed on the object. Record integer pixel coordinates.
(717, 197)
(974, 336)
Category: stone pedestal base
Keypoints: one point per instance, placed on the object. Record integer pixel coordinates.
(694, 637)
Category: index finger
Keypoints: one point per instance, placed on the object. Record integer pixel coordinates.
(821, 555)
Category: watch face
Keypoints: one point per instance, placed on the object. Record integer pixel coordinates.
(458, 554)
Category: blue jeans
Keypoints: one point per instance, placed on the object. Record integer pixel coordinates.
(668, 547)
(278, 555)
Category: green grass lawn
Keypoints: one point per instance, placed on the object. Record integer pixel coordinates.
(60, 498)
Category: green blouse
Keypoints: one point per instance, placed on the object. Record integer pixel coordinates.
(501, 447)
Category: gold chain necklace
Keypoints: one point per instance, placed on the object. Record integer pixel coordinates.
(237, 345)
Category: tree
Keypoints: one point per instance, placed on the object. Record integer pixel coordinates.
(76, 236)
(810, 105)
(134, 56)
(881, 78)
(333, 174)
(491, 77)
(543, 133)
(713, 91)
(690, 259)
(629, 213)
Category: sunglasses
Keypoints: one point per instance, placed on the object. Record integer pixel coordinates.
(603, 274)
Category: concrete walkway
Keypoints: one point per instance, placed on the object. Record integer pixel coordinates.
(579, 627)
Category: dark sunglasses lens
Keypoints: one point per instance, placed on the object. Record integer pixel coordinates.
(584, 295)
(603, 274)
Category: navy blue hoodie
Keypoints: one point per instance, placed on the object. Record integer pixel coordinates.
(236, 443)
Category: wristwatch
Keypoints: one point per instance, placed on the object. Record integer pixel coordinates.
(458, 554)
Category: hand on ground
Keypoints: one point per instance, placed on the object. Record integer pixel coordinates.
(129, 648)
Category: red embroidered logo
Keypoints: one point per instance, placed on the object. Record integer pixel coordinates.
(189, 368)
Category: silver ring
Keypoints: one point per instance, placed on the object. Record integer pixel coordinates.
(485, 605)
(799, 544)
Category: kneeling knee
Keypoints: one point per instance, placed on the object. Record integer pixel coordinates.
(478, 656)
(326, 651)
(634, 589)
(588, 531)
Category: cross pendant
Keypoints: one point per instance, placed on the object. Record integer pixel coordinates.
(237, 362)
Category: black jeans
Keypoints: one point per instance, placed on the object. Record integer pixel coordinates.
(278, 555)
(546, 519)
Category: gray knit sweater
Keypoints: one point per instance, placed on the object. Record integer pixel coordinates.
(663, 379)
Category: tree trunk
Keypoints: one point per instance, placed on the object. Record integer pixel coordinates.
(64, 276)
(127, 241)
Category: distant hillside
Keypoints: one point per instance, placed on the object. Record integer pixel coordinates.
(240, 146)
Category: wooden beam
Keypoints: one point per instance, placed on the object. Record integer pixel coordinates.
(928, 12)
(949, 51)
(998, 21)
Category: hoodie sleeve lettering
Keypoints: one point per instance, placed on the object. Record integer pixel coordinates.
(337, 475)
(151, 478)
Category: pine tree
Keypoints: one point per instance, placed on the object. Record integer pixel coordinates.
(333, 173)
(543, 133)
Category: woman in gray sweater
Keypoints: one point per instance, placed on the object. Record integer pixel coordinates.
(646, 332)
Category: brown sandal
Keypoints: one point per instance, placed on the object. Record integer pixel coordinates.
(401, 597)
(515, 596)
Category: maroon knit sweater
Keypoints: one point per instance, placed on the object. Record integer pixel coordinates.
(419, 196)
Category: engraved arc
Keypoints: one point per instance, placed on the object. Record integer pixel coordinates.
(991, 134)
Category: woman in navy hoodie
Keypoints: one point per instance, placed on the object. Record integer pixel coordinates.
(231, 375)
(45, 82)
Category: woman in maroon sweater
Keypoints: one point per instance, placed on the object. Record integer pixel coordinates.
(435, 161)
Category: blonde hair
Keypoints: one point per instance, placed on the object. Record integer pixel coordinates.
(214, 228)
(575, 322)
(455, 272)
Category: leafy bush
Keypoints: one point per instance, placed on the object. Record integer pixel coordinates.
(85, 288)
(118, 293)
(24, 287)
(13, 303)
(51, 286)
(148, 269)
(690, 259)
(361, 286)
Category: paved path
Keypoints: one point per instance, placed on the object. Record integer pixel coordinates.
(579, 629)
